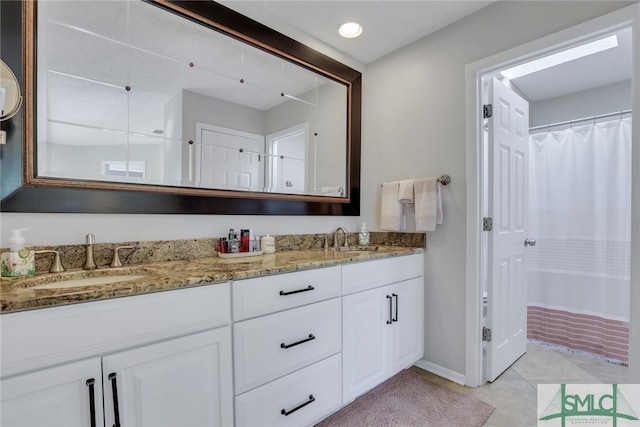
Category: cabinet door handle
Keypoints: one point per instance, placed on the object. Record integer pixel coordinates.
(300, 406)
(307, 289)
(395, 319)
(310, 338)
(92, 400)
(114, 391)
(390, 310)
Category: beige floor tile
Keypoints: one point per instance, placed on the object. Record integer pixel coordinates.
(545, 365)
(514, 393)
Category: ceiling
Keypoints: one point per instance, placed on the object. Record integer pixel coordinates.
(392, 24)
(388, 24)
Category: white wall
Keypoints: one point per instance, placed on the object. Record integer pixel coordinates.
(414, 125)
(588, 103)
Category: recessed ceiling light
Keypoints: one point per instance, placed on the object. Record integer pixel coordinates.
(561, 57)
(350, 30)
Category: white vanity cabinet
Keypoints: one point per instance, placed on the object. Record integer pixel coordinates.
(304, 344)
(165, 359)
(287, 345)
(382, 321)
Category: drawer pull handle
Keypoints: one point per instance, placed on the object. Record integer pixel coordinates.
(308, 288)
(311, 337)
(300, 406)
(92, 401)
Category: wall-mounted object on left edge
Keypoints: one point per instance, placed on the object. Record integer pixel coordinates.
(10, 96)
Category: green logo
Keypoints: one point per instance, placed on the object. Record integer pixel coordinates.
(586, 404)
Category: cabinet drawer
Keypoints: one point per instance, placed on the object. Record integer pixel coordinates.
(372, 274)
(60, 334)
(264, 405)
(263, 295)
(269, 347)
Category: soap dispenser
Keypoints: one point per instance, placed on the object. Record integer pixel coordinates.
(20, 261)
(363, 236)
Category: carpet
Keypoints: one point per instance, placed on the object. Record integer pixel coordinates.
(409, 399)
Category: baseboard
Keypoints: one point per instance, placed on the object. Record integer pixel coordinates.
(440, 371)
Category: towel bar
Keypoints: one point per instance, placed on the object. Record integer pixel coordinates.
(443, 179)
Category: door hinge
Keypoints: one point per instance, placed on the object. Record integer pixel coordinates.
(486, 334)
(487, 223)
(487, 111)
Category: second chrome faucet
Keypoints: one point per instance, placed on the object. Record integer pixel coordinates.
(335, 238)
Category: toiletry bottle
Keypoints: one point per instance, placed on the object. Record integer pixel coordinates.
(363, 236)
(245, 244)
(234, 244)
(267, 244)
(20, 261)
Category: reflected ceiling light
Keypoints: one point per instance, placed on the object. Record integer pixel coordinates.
(561, 57)
(350, 30)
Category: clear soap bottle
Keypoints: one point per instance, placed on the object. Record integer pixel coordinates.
(363, 236)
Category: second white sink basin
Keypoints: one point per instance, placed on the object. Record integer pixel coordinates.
(89, 281)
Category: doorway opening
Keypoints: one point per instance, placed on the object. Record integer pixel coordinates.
(482, 270)
(564, 184)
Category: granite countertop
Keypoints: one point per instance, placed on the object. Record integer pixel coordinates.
(19, 294)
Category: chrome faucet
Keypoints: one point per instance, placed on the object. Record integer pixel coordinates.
(335, 238)
(90, 262)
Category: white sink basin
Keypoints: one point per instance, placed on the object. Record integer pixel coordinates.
(88, 281)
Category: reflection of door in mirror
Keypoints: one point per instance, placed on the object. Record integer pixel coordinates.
(228, 159)
(287, 166)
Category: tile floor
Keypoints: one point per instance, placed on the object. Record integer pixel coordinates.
(514, 393)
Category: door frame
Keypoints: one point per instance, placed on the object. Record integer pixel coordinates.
(625, 17)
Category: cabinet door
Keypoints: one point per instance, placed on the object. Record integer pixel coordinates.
(365, 336)
(406, 338)
(67, 396)
(181, 382)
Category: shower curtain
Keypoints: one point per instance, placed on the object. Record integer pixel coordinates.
(580, 215)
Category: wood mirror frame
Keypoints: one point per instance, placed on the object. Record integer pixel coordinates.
(22, 191)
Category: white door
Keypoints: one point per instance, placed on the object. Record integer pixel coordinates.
(406, 344)
(65, 396)
(228, 159)
(508, 171)
(287, 168)
(366, 318)
(181, 382)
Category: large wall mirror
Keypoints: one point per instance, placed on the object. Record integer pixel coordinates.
(183, 107)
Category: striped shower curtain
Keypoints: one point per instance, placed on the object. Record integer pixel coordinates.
(580, 215)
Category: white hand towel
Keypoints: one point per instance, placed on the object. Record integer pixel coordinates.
(405, 194)
(391, 208)
(428, 204)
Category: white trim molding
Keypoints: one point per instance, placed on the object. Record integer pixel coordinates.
(441, 371)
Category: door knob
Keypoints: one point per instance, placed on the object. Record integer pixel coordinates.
(529, 242)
